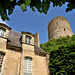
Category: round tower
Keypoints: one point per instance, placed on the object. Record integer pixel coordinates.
(59, 26)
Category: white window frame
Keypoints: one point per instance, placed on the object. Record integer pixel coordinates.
(2, 62)
(28, 39)
(2, 32)
(28, 66)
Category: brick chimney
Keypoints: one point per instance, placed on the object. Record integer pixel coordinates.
(37, 39)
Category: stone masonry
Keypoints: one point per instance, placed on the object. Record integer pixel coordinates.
(59, 26)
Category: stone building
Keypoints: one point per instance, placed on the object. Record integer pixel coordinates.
(59, 26)
(20, 53)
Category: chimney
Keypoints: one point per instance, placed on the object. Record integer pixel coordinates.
(37, 39)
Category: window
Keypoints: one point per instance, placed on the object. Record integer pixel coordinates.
(1, 61)
(2, 32)
(27, 66)
(57, 23)
(28, 40)
(64, 29)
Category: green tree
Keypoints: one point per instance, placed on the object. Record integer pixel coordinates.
(62, 55)
(7, 6)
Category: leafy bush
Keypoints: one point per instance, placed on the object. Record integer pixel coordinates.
(62, 55)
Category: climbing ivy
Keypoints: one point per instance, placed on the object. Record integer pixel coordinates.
(62, 55)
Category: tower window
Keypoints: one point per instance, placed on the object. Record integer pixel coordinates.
(57, 23)
(64, 29)
(2, 32)
(28, 40)
(1, 61)
(27, 66)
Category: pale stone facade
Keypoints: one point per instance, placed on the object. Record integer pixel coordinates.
(15, 49)
(59, 26)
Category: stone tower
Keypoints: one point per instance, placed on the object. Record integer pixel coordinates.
(59, 26)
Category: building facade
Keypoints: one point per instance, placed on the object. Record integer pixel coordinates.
(20, 53)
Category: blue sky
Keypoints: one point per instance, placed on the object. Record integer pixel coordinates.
(33, 22)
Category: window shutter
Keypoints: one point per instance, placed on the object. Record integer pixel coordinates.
(1, 61)
(28, 66)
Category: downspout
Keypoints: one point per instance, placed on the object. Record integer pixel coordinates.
(20, 63)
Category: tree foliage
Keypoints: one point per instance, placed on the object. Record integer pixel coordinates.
(7, 6)
(62, 55)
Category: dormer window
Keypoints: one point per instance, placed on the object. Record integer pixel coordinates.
(2, 32)
(28, 40)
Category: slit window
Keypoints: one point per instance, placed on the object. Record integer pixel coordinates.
(64, 29)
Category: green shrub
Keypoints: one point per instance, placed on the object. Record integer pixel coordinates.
(62, 55)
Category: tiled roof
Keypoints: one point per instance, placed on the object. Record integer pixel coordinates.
(14, 39)
(38, 49)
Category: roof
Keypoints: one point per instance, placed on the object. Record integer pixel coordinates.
(38, 49)
(14, 39)
(5, 26)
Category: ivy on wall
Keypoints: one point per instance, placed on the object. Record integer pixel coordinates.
(62, 55)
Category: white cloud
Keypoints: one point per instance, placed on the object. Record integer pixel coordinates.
(1, 21)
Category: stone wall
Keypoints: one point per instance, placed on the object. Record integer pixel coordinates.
(11, 60)
(39, 64)
(59, 26)
(11, 65)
